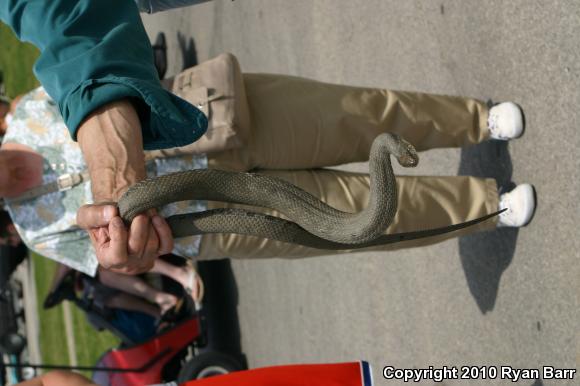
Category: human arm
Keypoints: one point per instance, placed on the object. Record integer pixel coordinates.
(58, 378)
(110, 139)
(94, 52)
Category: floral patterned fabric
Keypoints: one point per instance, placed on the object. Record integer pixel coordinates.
(47, 224)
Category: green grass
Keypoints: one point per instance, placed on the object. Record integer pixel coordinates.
(16, 60)
(90, 344)
(51, 322)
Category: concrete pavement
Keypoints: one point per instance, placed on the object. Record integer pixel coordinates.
(502, 298)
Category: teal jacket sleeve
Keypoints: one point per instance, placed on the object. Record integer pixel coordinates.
(94, 52)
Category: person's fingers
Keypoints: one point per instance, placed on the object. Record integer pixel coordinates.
(140, 237)
(95, 215)
(101, 235)
(151, 251)
(146, 263)
(128, 251)
(113, 254)
(164, 234)
(129, 270)
(136, 264)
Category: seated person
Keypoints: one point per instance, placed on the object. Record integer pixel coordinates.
(106, 296)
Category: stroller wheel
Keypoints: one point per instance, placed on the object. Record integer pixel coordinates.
(12, 343)
(207, 365)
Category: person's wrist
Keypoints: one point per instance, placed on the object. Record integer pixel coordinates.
(111, 141)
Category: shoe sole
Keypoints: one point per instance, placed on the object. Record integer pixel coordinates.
(535, 197)
(523, 121)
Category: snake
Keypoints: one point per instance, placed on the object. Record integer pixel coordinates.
(310, 222)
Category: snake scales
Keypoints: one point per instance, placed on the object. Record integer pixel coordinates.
(312, 222)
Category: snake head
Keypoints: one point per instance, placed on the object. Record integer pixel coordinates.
(408, 156)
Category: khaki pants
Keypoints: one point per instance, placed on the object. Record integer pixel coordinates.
(299, 125)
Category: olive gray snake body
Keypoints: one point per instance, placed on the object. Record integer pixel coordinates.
(311, 222)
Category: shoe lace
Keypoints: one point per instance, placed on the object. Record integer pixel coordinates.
(492, 124)
(504, 203)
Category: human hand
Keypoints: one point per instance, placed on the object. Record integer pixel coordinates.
(112, 145)
(131, 250)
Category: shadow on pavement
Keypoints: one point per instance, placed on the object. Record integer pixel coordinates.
(486, 255)
(220, 307)
(187, 50)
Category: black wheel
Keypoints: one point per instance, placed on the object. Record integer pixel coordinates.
(207, 365)
(3, 376)
(12, 343)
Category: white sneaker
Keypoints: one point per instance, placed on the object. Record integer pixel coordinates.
(520, 204)
(505, 121)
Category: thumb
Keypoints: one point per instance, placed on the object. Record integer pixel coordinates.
(95, 215)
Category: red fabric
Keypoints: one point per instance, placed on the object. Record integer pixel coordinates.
(339, 374)
(172, 340)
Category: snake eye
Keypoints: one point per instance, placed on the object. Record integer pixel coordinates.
(410, 159)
